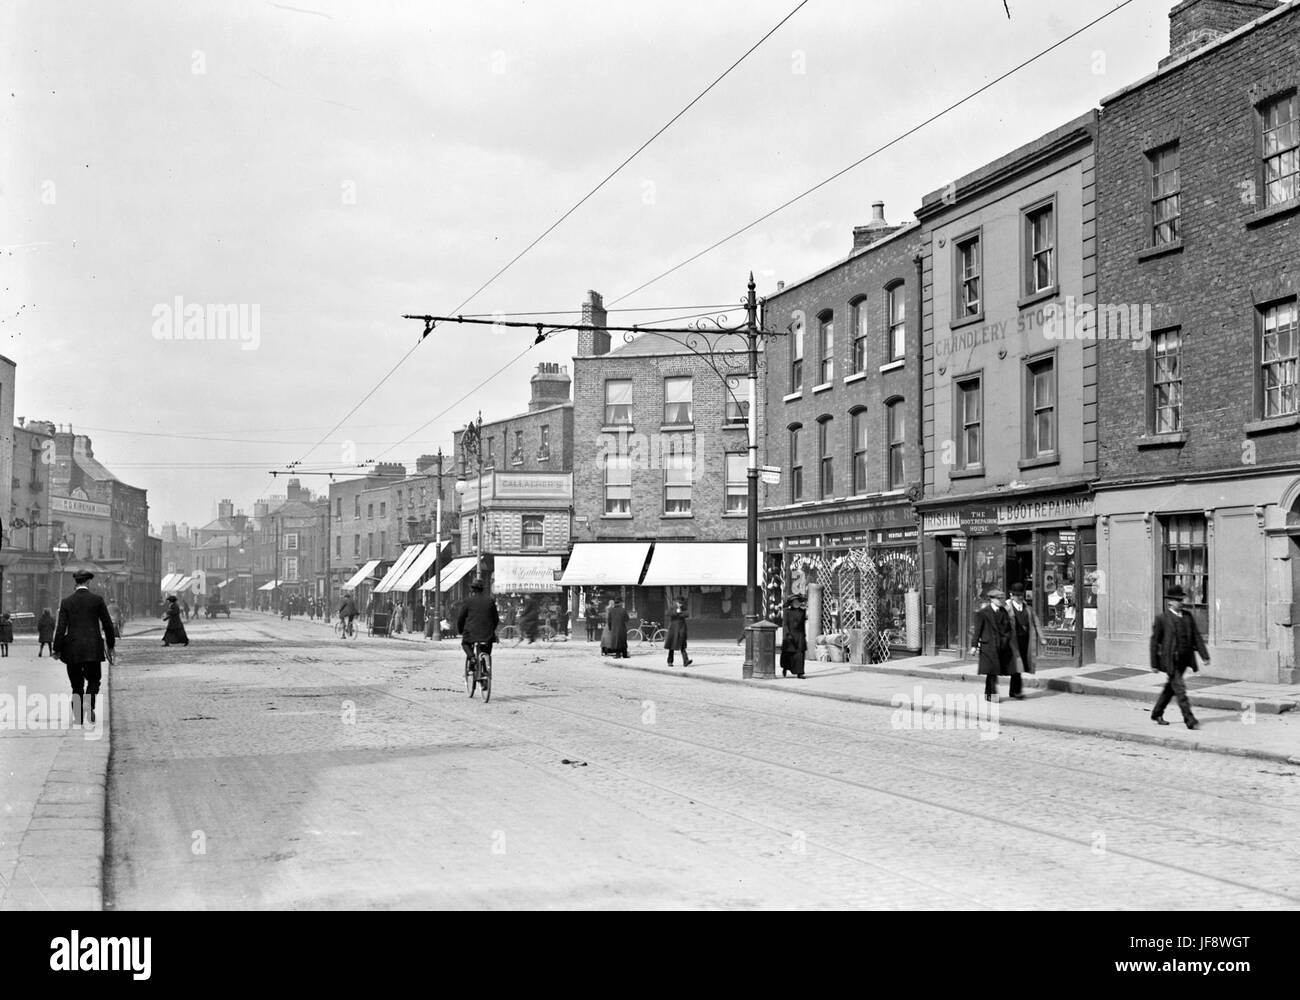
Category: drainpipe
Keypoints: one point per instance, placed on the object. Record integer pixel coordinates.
(919, 261)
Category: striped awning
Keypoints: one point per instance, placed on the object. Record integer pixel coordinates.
(361, 575)
(452, 573)
(395, 573)
(417, 567)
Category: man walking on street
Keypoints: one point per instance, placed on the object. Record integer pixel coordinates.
(992, 641)
(1175, 641)
(78, 642)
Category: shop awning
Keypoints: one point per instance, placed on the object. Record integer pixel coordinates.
(526, 574)
(170, 580)
(270, 586)
(452, 573)
(418, 566)
(361, 575)
(395, 573)
(691, 564)
(606, 564)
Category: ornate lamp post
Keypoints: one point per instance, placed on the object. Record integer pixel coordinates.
(471, 442)
(62, 553)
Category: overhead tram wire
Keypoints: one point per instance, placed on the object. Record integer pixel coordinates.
(880, 149)
(823, 183)
(554, 225)
(637, 152)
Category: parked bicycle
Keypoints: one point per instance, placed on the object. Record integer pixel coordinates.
(648, 632)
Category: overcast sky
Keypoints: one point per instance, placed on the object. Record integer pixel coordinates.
(337, 164)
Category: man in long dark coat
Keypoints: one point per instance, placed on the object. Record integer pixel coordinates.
(675, 640)
(614, 642)
(992, 640)
(528, 620)
(1175, 641)
(83, 639)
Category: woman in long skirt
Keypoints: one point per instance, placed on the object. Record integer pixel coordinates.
(45, 632)
(175, 634)
(794, 641)
(677, 633)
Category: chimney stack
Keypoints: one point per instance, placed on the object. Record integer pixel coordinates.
(1194, 24)
(592, 343)
(876, 229)
(550, 386)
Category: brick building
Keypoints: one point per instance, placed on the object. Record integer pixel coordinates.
(659, 466)
(102, 519)
(362, 545)
(29, 567)
(527, 495)
(1008, 263)
(1199, 222)
(841, 415)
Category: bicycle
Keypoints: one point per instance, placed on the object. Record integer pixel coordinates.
(478, 671)
(648, 631)
(344, 629)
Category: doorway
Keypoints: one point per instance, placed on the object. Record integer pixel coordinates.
(948, 600)
(1020, 562)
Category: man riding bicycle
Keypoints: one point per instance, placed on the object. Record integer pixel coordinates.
(477, 621)
(347, 611)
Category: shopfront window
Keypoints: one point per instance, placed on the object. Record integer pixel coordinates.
(1186, 563)
(988, 556)
(897, 575)
(1058, 564)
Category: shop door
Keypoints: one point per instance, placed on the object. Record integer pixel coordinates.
(1020, 565)
(948, 601)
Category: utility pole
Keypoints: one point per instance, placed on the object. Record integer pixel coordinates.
(437, 562)
(751, 529)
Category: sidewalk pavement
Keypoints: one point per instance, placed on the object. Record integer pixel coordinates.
(53, 783)
(1237, 718)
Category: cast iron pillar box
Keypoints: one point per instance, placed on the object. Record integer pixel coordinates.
(760, 638)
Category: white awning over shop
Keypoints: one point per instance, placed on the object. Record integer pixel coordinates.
(361, 575)
(270, 586)
(170, 580)
(697, 564)
(452, 573)
(398, 568)
(526, 574)
(420, 565)
(605, 564)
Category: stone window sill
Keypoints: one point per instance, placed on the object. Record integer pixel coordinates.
(791, 397)
(675, 517)
(665, 428)
(823, 387)
(1273, 424)
(616, 517)
(1266, 215)
(966, 320)
(855, 377)
(1033, 298)
(972, 473)
(1150, 253)
(616, 429)
(1162, 440)
(893, 365)
(1034, 463)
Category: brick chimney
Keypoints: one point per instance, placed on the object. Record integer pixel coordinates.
(1193, 24)
(550, 385)
(225, 509)
(294, 490)
(593, 343)
(874, 230)
(426, 463)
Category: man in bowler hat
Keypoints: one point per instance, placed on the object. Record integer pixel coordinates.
(78, 642)
(992, 641)
(1175, 641)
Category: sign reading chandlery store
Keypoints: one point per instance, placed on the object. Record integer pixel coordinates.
(1016, 513)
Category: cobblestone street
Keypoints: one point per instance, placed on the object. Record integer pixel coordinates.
(270, 765)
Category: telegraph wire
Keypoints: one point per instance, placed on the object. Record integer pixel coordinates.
(880, 149)
(553, 226)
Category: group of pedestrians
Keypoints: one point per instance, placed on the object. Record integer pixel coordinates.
(1006, 640)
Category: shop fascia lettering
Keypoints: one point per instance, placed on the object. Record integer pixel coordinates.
(1023, 512)
(860, 520)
